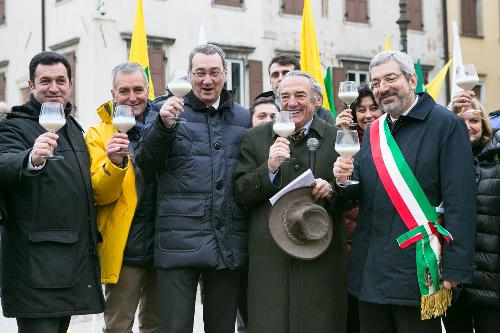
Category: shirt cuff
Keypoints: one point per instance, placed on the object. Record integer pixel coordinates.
(272, 176)
(31, 167)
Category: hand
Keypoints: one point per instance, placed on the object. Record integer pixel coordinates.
(278, 153)
(450, 284)
(461, 100)
(344, 118)
(342, 168)
(171, 110)
(322, 190)
(43, 147)
(118, 142)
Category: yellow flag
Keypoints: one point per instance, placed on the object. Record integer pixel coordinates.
(434, 87)
(388, 43)
(139, 46)
(309, 54)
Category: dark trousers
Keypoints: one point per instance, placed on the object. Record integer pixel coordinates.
(382, 318)
(242, 314)
(177, 296)
(467, 319)
(352, 314)
(43, 325)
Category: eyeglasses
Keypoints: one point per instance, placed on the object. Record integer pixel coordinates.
(388, 80)
(213, 74)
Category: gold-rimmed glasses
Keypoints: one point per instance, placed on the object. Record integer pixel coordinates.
(387, 80)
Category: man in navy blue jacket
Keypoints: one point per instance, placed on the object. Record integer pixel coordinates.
(201, 233)
(434, 143)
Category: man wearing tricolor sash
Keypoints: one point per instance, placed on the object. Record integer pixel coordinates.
(414, 165)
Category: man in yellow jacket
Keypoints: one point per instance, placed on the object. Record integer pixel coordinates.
(126, 199)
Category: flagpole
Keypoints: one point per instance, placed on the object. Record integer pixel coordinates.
(403, 25)
(446, 47)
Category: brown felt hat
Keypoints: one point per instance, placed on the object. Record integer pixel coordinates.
(299, 226)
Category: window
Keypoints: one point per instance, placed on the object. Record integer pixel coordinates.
(470, 17)
(415, 14)
(339, 75)
(324, 8)
(359, 77)
(157, 70)
(234, 3)
(357, 11)
(294, 7)
(2, 11)
(255, 78)
(25, 94)
(2, 87)
(235, 79)
(71, 57)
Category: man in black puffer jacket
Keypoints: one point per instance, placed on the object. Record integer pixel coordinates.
(50, 265)
(200, 231)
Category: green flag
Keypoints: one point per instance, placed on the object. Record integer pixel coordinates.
(420, 78)
(329, 91)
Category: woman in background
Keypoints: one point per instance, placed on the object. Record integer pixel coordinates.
(365, 111)
(477, 306)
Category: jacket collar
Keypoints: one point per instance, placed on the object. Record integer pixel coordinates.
(31, 109)
(226, 101)
(422, 108)
(105, 111)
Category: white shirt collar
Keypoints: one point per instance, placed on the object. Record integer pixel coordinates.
(408, 110)
(307, 126)
(216, 104)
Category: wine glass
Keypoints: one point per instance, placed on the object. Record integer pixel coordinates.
(284, 126)
(123, 120)
(179, 87)
(347, 144)
(52, 118)
(348, 93)
(466, 76)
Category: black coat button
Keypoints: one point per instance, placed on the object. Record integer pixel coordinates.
(217, 146)
(218, 186)
(296, 167)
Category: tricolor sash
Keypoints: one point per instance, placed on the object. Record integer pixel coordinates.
(419, 216)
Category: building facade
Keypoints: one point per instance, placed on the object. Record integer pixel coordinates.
(479, 27)
(95, 36)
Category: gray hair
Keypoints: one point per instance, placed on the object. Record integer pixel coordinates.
(316, 88)
(207, 49)
(404, 60)
(128, 67)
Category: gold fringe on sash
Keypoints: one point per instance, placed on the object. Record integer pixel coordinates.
(435, 305)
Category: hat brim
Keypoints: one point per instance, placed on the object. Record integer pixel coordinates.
(311, 249)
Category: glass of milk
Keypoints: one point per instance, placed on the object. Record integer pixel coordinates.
(52, 118)
(180, 87)
(347, 144)
(123, 120)
(348, 93)
(466, 76)
(284, 126)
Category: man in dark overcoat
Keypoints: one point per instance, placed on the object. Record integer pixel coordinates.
(435, 145)
(285, 294)
(50, 268)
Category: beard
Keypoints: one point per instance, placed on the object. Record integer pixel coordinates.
(396, 108)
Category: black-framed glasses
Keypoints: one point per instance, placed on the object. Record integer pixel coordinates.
(202, 74)
(389, 79)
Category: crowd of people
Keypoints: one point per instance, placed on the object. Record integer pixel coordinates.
(167, 207)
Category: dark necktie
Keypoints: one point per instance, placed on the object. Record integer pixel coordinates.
(390, 123)
(297, 135)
